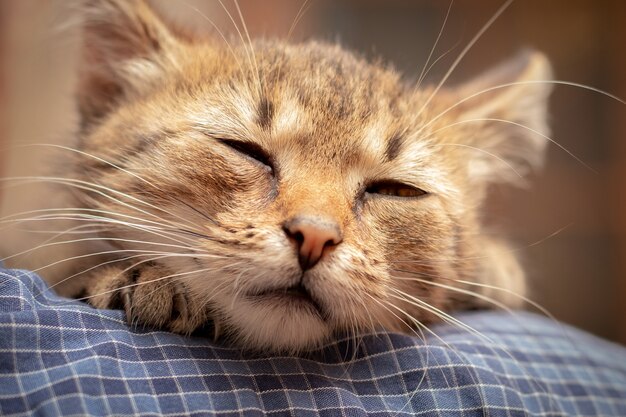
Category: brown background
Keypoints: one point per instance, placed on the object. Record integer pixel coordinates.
(578, 274)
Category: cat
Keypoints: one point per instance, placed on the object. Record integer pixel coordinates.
(285, 192)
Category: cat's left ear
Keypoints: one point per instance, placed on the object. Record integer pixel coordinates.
(126, 48)
(505, 115)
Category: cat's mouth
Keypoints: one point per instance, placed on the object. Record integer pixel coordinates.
(296, 295)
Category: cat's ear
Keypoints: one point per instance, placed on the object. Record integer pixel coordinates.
(506, 114)
(126, 48)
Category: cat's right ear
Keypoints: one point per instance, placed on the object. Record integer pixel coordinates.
(504, 113)
(126, 49)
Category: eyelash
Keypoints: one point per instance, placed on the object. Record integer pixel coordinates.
(394, 189)
(251, 151)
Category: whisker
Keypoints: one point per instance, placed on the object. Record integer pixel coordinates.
(261, 84)
(83, 215)
(432, 65)
(464, 52)
(94, 221)
(503, 161)
(220, 33)
(527, 300)
(110, 164)
(236, 288)
(534, 131)
(436, 311)
(520, 83)
(119, 251)
(452, 288)
(432, 50)
(421, 327)
(84, 229)
(467, 258)
(180, 274)
(301, 12)
(97, 189)
(95, 239)
(84, 271)
(251, 63)
(492, 301)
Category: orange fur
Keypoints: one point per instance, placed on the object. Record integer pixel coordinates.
(159, 106)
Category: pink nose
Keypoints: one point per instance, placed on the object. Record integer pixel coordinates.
(313, 235)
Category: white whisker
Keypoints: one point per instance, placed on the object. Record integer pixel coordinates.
(301, 12)
(180, 274)
(96, 189)
(534, 131)
(426, 67)
(464, 52)
(83, 215)
(461, 145)
(468, 258)
(519, 83)
(220, 33)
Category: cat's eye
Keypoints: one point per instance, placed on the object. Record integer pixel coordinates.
(251, 151)
(394, 189)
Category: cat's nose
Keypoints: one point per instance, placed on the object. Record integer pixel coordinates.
(313, 235)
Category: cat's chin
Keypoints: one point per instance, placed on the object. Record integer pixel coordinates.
(288, 322)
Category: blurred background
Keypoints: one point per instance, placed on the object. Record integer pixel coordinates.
(570, 225)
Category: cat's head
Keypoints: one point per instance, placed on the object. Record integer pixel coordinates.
(299, 190)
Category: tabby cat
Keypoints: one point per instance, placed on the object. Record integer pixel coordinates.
(285, 192)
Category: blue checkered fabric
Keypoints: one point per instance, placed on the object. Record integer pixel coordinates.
(64, 358)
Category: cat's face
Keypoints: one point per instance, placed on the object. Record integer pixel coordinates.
(304, 188)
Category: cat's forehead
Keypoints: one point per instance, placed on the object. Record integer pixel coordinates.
(312, 96)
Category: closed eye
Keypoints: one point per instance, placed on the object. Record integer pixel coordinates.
(394, 189)
(251, 151)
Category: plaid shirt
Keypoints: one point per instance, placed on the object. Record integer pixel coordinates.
(61, 358)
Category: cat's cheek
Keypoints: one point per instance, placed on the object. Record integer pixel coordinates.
(210, 174)
(421, 247)
(415, 225)
(250, 259)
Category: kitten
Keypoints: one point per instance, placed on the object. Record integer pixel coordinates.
(286, 192)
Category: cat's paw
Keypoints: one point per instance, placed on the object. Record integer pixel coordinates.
(149, 295)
